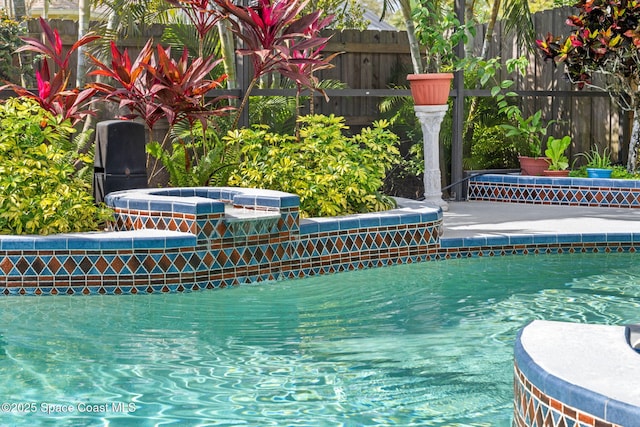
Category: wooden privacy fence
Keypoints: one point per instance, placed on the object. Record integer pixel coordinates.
(373, 63)
(590, 117)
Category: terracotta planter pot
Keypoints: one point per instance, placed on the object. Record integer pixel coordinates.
(548, 172)
(430, 89)
(533, 165)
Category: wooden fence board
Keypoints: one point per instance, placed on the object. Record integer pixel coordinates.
(376, 59)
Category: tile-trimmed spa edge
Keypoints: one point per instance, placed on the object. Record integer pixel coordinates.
(593, 192)
(568, 373)
(182, 239)
(174, 240)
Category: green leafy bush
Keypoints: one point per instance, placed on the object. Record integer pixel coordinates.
(197, 157)
(492, 149)
(40, 192)
(10, 32)
(332, 173)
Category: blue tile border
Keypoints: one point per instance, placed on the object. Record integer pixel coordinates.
(191, 235)
(555, 191)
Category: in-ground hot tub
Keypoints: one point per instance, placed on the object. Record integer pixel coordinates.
(184, 239)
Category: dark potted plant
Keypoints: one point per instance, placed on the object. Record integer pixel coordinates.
(558, 162)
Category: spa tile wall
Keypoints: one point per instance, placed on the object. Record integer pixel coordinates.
(196, 251)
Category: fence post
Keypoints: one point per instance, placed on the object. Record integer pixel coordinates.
(458, 113)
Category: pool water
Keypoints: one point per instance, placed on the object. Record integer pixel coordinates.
(426, 344)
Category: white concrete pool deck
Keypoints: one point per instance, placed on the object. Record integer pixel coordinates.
(481, 219)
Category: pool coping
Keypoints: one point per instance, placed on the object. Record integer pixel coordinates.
(187, 239)
(578, 371)
(567, 191)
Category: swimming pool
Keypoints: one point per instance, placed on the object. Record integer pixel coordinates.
(427, 344)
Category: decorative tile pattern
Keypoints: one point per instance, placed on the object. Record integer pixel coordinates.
(158, 248)
(532, 408)
(203, 245)
(538, 244)
(555, 191)
(177, 251)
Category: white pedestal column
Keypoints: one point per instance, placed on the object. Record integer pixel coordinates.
(430, 117)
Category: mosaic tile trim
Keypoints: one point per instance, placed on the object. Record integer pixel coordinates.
(555, 191)
(533, 408)
(208, 212)
(203, 248)
(537, 244)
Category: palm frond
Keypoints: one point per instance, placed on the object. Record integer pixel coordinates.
(517, 20)
(179, 34)
(277, 111)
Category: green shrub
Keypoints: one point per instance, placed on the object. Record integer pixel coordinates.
(10, 32)
(40, 192)
(332, 173)
(492, 149)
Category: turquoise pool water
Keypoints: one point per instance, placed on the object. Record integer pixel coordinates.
(416, 345)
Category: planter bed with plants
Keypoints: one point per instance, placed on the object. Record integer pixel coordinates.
(570, 191)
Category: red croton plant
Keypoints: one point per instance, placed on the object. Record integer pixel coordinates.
(605, 40)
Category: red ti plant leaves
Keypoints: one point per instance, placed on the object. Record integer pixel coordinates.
(202, 13)
(270, 28)
(279, 39)
(53, 93)
(154, 85)
(132, 93)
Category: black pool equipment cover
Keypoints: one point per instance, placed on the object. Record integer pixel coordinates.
(120, 159)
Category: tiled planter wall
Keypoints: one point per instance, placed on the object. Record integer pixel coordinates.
(169, 240)
(555, 191)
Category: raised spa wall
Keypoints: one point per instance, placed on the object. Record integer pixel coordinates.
(184, 239)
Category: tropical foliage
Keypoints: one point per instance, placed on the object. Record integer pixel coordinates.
(198, 157)
(332, 173)
(10, 32)
(156, 86)
(605, 40)
(279, 39)
(40, 192)
(440, 31)
(54, 93)
(556, 152)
